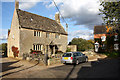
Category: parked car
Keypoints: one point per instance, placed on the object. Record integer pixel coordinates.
(73, 57)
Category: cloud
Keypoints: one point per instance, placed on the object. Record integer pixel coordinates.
(82, 12)
(27, 5)
(3, 34)
(3, 37)
(85, 34)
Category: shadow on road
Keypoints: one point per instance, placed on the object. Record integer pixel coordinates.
(67, 77)
(6, 66)
(16, 67)
(106, 68)
(103, 68)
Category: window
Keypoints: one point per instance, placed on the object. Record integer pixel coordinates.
(47, 35)
(56, 35)
(37, 33)
(34, 33)
(116, 46)
(116, 38)
(33, 47)
(37, 47)
(67, 55)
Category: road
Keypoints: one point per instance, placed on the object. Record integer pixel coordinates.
(106, 68)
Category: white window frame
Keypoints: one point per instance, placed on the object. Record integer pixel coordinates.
(116, 46)
(37, 47)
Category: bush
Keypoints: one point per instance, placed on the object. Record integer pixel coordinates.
(68, 50)
(82, 44)
(112, 54)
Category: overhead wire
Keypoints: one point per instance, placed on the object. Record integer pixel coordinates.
(60, 13)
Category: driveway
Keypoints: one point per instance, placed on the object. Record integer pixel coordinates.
(105, 68)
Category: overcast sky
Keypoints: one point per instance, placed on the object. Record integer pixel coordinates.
(81, 15)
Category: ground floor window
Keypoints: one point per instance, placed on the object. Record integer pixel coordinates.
(37, 47)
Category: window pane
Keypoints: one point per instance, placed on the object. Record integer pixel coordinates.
(34, 33)
(33, 47)
(39, 33)
(67, 55)
(38, 47)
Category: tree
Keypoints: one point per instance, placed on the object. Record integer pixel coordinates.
(111, 13)
(111, 17)
(82, 44)
(3, 46)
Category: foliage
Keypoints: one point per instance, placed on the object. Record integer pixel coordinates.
(91, 41)
(111, 12)
(82, 44)
(110, 43)
(68, 50)
(112, 54)
(98, 40)
(3, 47)
(15, 51)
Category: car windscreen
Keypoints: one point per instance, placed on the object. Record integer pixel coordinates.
(67, 55)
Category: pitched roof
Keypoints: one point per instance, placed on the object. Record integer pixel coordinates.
(99, 29)
(37, 22)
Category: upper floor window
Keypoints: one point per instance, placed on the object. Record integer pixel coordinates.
(57, 35)
(47, 35)
(37, 33)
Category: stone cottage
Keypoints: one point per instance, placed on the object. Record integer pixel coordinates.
(31, 31)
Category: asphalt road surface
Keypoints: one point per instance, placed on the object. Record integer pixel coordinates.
(106, 68)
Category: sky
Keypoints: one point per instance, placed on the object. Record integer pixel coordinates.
(80, 15)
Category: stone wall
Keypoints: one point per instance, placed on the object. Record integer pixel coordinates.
(13, 38)
(72, 47)
(27, 39)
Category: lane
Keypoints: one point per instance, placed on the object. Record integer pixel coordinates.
(106, 68)
(68, 71)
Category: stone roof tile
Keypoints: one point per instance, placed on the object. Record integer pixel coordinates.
(37, 22)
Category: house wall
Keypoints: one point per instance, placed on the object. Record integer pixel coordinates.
(27, 39)
(73, 48)
(99, 35)
(13, 38)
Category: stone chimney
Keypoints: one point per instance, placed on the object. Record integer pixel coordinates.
(57, 17)
(16, 4)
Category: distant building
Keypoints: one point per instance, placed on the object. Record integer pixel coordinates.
(73, 48)
(101, 33)
(34, 32)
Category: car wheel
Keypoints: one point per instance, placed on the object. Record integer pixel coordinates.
(77, 62)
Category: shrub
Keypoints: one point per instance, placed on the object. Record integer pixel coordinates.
(68, 50)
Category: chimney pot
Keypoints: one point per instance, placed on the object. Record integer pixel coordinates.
(57, 17)
(16, 4)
